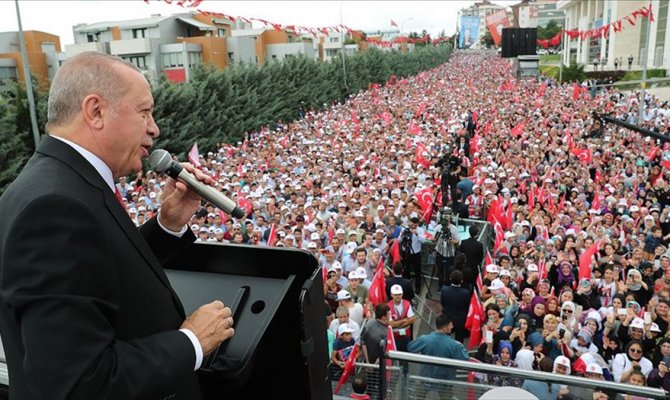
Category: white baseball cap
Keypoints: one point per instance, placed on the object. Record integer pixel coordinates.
(496, 284)
(637, 323)
(492, 268)
(343, 295)
(594, 368)
(344, 328)
(360, 271)
(396, 289)
(532, 268)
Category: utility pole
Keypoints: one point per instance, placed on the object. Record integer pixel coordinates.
(643, 92)
(27, 77)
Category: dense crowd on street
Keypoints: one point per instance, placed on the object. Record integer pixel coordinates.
(578, 279)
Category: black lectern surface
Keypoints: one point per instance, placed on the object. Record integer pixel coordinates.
(280, 344)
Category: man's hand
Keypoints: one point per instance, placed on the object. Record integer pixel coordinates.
(211, 324)
(179, 203)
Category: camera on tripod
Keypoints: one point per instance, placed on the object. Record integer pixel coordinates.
(406, 240)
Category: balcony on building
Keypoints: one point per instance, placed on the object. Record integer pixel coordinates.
(130, 46)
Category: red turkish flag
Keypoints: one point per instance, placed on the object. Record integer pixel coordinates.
(473, 322)
(349, 368)
(666, 164)
(413, 129)
(595, 204)
(518, 129)
(194, 155)
(243, 203)
(425, 199)
(420, 158)
(585, 261)
(378, 285)
(395, 252)
(531, 199)
(272, 238)
(420, 111)
(575, 92)
(584, 155)
(653, 152)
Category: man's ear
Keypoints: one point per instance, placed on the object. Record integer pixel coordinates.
(93, 108)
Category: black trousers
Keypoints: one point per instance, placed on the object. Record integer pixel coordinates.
(445, 266)
(413, 267)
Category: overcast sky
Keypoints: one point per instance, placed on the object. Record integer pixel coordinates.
(58, 17)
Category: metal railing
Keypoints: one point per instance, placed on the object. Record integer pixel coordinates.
(573, 381)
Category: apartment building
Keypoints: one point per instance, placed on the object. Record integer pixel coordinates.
(42, 50)
(630, 41)
(536, 13)
(481, 9)
(274, 45)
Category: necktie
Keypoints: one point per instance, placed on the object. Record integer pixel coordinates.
(118, 197)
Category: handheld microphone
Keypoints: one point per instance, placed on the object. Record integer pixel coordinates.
(162, 162)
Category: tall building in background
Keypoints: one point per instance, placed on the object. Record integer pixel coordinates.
(481, 9)
(629, 42)
(537, 13)
(42, 49)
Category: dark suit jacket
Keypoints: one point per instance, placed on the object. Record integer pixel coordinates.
(455, 302)
(86, 311)
(474, 254)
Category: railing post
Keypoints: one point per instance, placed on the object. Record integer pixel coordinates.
(382, 369)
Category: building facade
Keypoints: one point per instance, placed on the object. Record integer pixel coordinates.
(482, 9)
(632, 41)
(42, 50)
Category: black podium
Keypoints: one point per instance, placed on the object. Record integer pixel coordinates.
(280, 347)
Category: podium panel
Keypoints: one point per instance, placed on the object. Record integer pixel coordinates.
(280, 343)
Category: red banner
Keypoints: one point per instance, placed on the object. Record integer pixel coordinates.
(496, 22)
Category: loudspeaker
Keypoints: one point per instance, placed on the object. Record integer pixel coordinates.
(507, 42)
(276, 295)
(518, 42)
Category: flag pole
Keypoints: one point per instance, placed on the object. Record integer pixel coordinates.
(643, 93)
(344, 64)
(27, 78)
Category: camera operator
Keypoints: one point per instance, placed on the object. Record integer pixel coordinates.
(450, 168)
(448, 239)
(411, 242)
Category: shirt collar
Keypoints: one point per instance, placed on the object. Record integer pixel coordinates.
(99, 165)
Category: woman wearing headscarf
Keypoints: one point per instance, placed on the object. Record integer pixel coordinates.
(537, 313)
(552, 306)
(504, 359)
(551, 335)
(659, 376)
(630, 360)
(568, 320)
(565, 276)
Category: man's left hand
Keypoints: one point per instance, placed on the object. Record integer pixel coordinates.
(179, 202)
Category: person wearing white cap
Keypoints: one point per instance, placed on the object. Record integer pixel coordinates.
(343, 345)
(359, 293)
(402, 318)
(492, 272)
(355, 309)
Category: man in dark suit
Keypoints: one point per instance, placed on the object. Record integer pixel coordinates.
(396, 278)
(86, 310)
(455, 302)
(474, 254)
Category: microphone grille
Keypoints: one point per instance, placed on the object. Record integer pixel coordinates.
(160, 160)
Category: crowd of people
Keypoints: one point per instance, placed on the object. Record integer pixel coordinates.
(560, 187)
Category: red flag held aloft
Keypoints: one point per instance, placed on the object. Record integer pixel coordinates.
(378, 285)
(518, 129)
(585, 261)
(349, 368)
(473, 321)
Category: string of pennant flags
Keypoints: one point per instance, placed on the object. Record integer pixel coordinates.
(603, 31)
(315, 32)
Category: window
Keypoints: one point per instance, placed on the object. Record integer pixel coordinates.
(139, 33)
(139, 61)
(333, 40)
(173, 60)
(331, 52)
(230, 56)
(222, 32)
(8, 73)
(194, 58)
(93, 37)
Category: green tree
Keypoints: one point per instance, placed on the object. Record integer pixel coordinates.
(573, 73)
(487, 40)
(549, 31)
